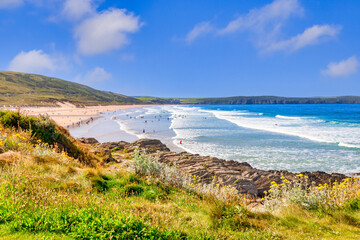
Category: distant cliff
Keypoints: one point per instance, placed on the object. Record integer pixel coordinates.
(272, 100)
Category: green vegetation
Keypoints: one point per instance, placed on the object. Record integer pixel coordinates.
(47, 194)
(24, 89)
(157, 100)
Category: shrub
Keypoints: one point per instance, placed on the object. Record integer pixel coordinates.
(309, 196)
(234, 216)
(133, 189)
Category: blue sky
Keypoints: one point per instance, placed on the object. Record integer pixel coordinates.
(188, 48)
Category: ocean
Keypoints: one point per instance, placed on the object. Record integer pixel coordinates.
(311, 137)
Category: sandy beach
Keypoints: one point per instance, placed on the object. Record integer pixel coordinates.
(67, 114)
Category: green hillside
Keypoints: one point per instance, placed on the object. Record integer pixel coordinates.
(32, 89)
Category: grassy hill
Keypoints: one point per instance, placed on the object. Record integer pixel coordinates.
(32, 89)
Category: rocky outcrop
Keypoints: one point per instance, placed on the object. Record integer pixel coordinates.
(241, 175)
(88, 140)
(149, 145)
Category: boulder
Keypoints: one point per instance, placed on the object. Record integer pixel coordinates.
(88, 140)
(148, 145)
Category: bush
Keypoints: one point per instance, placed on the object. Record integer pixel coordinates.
(307, 195)
(133, 189)
(100, 184)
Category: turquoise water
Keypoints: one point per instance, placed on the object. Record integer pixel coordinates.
(291, 137)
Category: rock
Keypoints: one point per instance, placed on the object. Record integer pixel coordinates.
(108, 157)
(111, 145)
(88, 140)
(148, 145)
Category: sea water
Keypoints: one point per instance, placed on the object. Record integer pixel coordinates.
(311, 137)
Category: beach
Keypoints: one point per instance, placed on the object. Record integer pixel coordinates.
(68, 114)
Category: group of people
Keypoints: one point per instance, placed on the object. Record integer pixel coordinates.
(156, 117)
(80, 123)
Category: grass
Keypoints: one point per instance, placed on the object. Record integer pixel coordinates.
(46, 194)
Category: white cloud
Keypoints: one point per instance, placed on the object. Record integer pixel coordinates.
(310, 36)
(35, 61)
(268, 18)
(199, 29)
(10, 3)
(96, 75)
(76, 9)
(106, 31)
(342, 68)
